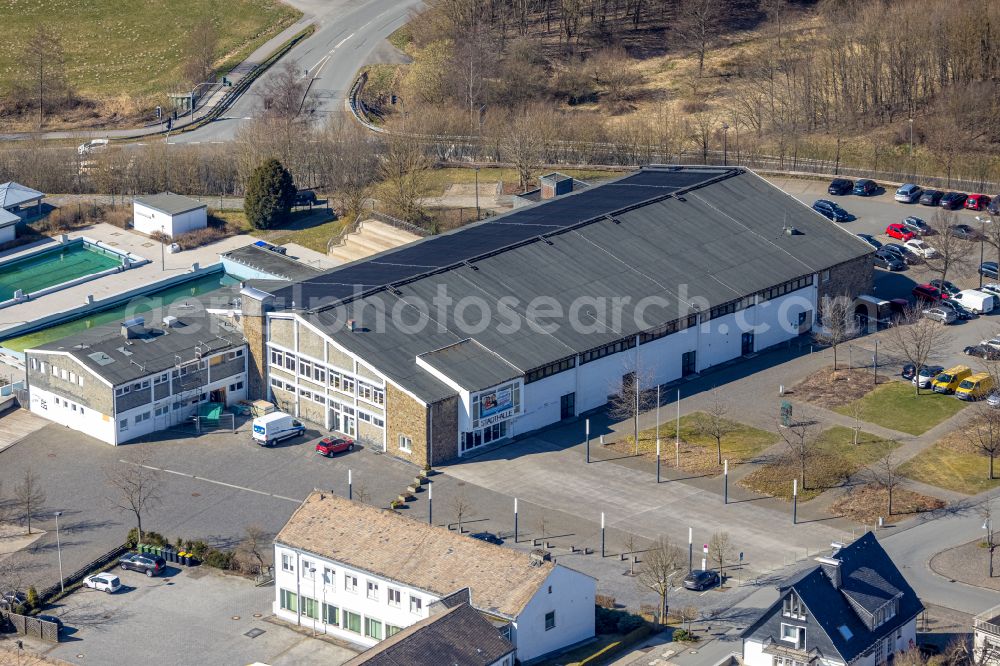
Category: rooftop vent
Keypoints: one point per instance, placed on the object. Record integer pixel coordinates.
(170, 321)
(133, 328)
(351, 325)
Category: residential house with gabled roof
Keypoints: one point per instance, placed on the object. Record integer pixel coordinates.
(365, 574)
(852, 607)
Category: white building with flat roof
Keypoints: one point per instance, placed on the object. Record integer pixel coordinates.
(168, 213)
(364, 574)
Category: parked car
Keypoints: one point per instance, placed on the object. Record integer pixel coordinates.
(840, 186)
(106, 582)
(953, 200)
(975, 300)
(909, 193)
(948, 381)
(946, 286)
(993, 207)
(926, 375)
(943, 315)
(989, 269)
(931, 198)
(898, 250)
(961, 312)
(12, 599)
(865, 187)
(700, 579)
(888, 260)
(830, 210)
(917, 226)
(331, 446)
(488, 537)
(871, 240)
(992, 343)
(984, 351)
(305, 198)
(963, 232)
(909, 372)
(977, 202)
(899, 231)
(51, 618)
(150, 565)
(991, 288)
(993, 399)
(920, 248)
(975, 387)
(926, 292)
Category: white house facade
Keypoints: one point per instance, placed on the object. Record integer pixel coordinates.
(168, 213)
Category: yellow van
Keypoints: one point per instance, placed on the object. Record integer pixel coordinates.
(949, 380)
(975, 387)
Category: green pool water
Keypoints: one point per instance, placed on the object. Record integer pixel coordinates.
(53, 267)
(197, 286)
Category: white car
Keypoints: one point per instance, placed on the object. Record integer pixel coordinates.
(920, 248)
(992, 288)
(992, 342)
(103, 581)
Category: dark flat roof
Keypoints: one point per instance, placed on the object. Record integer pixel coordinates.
(170, 203)
(471, 365)
(272, 263)
(686, 236)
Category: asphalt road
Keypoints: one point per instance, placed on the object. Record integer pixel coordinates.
(347, 34)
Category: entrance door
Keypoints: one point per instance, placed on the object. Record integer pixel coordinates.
(689, 364)
(747, 344)
(805, 321)
(567, 406)
(218, 395)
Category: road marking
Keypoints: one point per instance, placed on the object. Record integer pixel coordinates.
(218, 483)
(341, 42)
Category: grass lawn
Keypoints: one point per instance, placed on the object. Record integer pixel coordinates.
(312, 229)
(136, 47)
(954, 464)
(836, 460)
(865, 504)
(438, 180)
(698, 452)
(895, 405)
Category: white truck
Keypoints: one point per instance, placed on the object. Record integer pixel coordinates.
(977, 301)
(275, 427)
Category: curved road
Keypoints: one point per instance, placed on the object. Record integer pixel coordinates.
(347, 33)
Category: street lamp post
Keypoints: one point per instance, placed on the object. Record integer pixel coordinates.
(163, 256)
(982, 241)
(62, 585)
(911, 147)
(477, 194)
(725, 144)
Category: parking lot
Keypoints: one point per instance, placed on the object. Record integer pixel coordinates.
(185, 616)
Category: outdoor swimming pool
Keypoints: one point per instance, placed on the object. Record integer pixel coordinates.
(65, 264)
(130, 307)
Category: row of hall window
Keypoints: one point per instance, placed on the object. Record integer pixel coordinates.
(323, 374)
(320, 399)
(329, 579)
(61, 373)
(332, 615)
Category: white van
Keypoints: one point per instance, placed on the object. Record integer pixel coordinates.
(976, 301)
(274, 427)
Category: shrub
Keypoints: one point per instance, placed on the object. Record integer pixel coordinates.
(604, 601)
(270, 194)
(32, 600)
(198, 548)
(609, 621)
(684, 636)
(220, 559)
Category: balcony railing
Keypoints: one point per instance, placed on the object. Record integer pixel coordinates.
(987, 621)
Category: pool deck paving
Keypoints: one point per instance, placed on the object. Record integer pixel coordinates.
(108, 286)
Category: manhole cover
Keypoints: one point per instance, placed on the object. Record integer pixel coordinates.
(254, 633)
(195, 494)
(258, 615)
(236, 617)
(79, 656)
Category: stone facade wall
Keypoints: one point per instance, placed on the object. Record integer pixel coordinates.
(406, 417)
(311, 411)
(444, 427)
(339, 359)
(851, 278)
(284, 400)
(281, 332)
(369, 434)
(310, 343)
(254, 324)
(365, 371)
(93, 394)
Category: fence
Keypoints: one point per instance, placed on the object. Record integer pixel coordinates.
(28, 625)
(358, 223)
(82, 572)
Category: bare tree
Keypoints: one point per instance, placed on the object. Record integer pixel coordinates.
(885, 475)
(629, 548)
(698, 23)
(404, 170)
(636, 396)
(543, 526)
(916, 339)
(721, 549)
(461, 508)
(133, 487)
(801, 441)
(202, 42)
(254, 541)
(952, 252)
(359, 493)
(687, 615)
(712, 422)
(660, 564)
(836, 314)
(348, 163)
(985, 433)
(522, 142)
(284, 94)
(45, 67)
(28, 496)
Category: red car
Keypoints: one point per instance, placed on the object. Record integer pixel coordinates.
(898, 231)
(977, 202)
(928, 292)
(329, 446)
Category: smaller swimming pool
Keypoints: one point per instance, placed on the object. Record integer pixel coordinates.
(53, 268)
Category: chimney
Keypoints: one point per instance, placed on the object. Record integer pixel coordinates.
(351, 325)
(831, 567)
